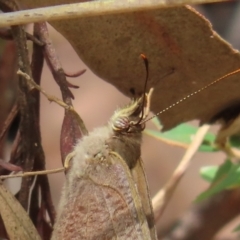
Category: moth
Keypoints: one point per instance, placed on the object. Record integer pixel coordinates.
(105, 195)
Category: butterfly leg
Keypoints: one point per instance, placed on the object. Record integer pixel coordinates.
(68, 158)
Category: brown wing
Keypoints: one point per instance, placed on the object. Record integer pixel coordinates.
(140, 179)
(105, 205)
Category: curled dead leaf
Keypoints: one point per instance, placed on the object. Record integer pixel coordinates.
(178, 39)
(16, 220)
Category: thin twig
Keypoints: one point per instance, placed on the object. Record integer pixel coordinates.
(50, 97)
(76, 74)
(41, 188)
(89, 9)
(7, 34)
(47, 198)
(12, 114)
(162, 198)
(34, 173)
(54, 64)
(9, 166)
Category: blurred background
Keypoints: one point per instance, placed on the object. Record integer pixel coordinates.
(96, 100)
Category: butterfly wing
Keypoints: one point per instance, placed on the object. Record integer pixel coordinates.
(140, 179)
(104, 205)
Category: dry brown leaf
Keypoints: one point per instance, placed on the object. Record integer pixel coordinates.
(173, 38)
(16, 221)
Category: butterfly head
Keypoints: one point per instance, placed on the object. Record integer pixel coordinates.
(130, 118)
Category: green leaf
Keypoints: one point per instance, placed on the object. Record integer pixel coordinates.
(236, 229)
(182, 136)
(235, 141)
(208, 173)
(227, 176)
(157, 123)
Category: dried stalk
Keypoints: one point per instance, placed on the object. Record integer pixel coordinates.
(89, 9)
(162, 198)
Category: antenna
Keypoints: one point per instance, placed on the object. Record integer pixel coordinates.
(145, 60)
(192, 94)
(147, 70)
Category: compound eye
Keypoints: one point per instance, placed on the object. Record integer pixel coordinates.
(121, 123)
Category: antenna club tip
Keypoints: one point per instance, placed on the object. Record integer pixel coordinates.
(143, 56)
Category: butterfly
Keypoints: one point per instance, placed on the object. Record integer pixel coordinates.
(105, 195)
